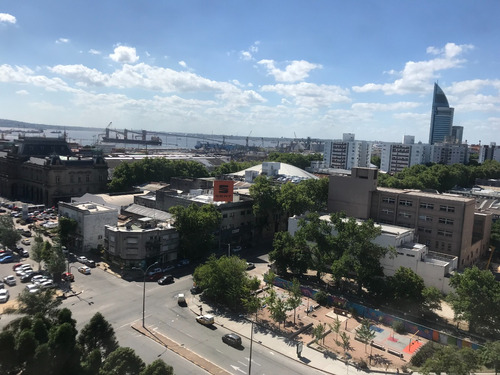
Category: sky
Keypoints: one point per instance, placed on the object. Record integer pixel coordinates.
(279, 68)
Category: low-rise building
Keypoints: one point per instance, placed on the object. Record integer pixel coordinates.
(91, 218)
(140, 242)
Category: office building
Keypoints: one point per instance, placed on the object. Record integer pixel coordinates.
(347, 153)
(441, 117)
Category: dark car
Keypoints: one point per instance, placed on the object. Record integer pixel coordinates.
(195, 290)
(28, 276)
(167, 279)
(6, 259)
(232, 339)
(24, 253)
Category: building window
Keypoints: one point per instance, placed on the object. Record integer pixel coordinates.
(444, 233)
(224, 216)
(446, 208)
(388, 200)
(387, 211)
(405, 215)
(444, 220)
(428, 206)
(405, 202)
(58, 179)
(425, 218)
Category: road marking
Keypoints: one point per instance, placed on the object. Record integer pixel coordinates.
(248, 359)
(236, 368)
(218, 351)
(244, 364)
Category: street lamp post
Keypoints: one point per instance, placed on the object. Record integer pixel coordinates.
(251, 344)
(228, 249)
(144, 290)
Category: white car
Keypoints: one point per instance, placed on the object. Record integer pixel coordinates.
(32, 288)
(84, 269)
(22, 271)
(26, 241)
(47, 284)
(9, 280)
(39, 280)
(4, 295)
(82, 259)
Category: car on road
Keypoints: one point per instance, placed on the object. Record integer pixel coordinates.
(9, 280)
(250, 266)
(26, 241)
(206, 320)
(84, 269)
(232, 339)
(195, 289)
(4, 295)
(167, 279)
(82, 259)
(168, 268)
(68, 276)
(32, 288)
(181, 299)
(90, 263)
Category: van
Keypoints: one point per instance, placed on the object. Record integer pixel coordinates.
(181, 300)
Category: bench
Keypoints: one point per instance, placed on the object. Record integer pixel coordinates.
(338, 311)
(394, 352)
(378, 346)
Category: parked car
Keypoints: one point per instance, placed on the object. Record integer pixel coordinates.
(90, 263)
(48, 284)
(168, 268)
(181, 299)
(24, 253)
(250, 266)
(4, 295)
(9, 280)
(40, 281)
(17, 265)
(68, 276)
(167, 279)
(26, 241)
(7, 259)
(206, 319)
(32, 288)
(232, 339)
(82, 259)
(195, 289)
(183, 262)
(28, 276)
(154, 271)
(84, 269)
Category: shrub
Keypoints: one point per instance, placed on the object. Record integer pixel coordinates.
(362, 364)
(398, 327)
(425, 352)
(321, 298)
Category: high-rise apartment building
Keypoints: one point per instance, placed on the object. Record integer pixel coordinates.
(394, 157)
(441, 117)
(347, 153)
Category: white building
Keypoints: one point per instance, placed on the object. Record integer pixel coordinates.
(434, 268)
(491, 152)
(347, 153)
(449, 153)
(394, 157)
(91, 218)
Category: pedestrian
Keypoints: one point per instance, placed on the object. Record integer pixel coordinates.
(397, 371)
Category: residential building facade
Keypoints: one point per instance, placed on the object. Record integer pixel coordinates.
(91, 218)
(347, 153)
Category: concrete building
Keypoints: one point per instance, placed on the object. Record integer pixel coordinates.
(347, 153)
(44, 170)
(445, 223)
(91, 218)
(141, 242)
(449, 153)
(434, 268)
(489, 152)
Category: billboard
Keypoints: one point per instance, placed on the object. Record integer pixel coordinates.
(223, 191)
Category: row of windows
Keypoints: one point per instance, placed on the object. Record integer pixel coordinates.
(444, 233)
(425, 205)
(444, 220)
(72, 180)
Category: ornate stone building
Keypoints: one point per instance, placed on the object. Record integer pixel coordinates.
(45, 171)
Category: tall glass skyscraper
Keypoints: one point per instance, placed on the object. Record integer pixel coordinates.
(441, 117)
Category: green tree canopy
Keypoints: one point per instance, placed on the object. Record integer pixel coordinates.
(98, 334)
(475, 299)
(196, 226)
(301, 161)
(8, 233)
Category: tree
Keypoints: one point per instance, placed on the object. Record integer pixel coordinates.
(265, 202)
(158, 367)
(278, 310)
(335, 327)
(7, 352)
(490, 355)
(217, 274)
(432, 299)
(406, 287)
(346, 341)
(55, 262)
(66, 230)
(375, 160)
(8, 233)
(449, 360)
(37, 249)
(123, 361)
(42, 303)
(475, 299)
(98, 334)
(365, 333)
(319, 332)
(196, 226)
(295, 297)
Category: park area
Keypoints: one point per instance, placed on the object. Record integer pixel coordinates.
(387, 349)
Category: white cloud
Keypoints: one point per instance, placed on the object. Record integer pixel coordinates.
(62, 41)
(295, 71)
(471, 86)
(183, 64)
(94, 52)
(385, 106)
(123, 54)
(27, 76)
(309, 94)
(22, 92)
(417, 76)
(7, 18)
(250, 52)
(82, 74)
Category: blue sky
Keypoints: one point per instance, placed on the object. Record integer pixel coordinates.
(316, 68)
